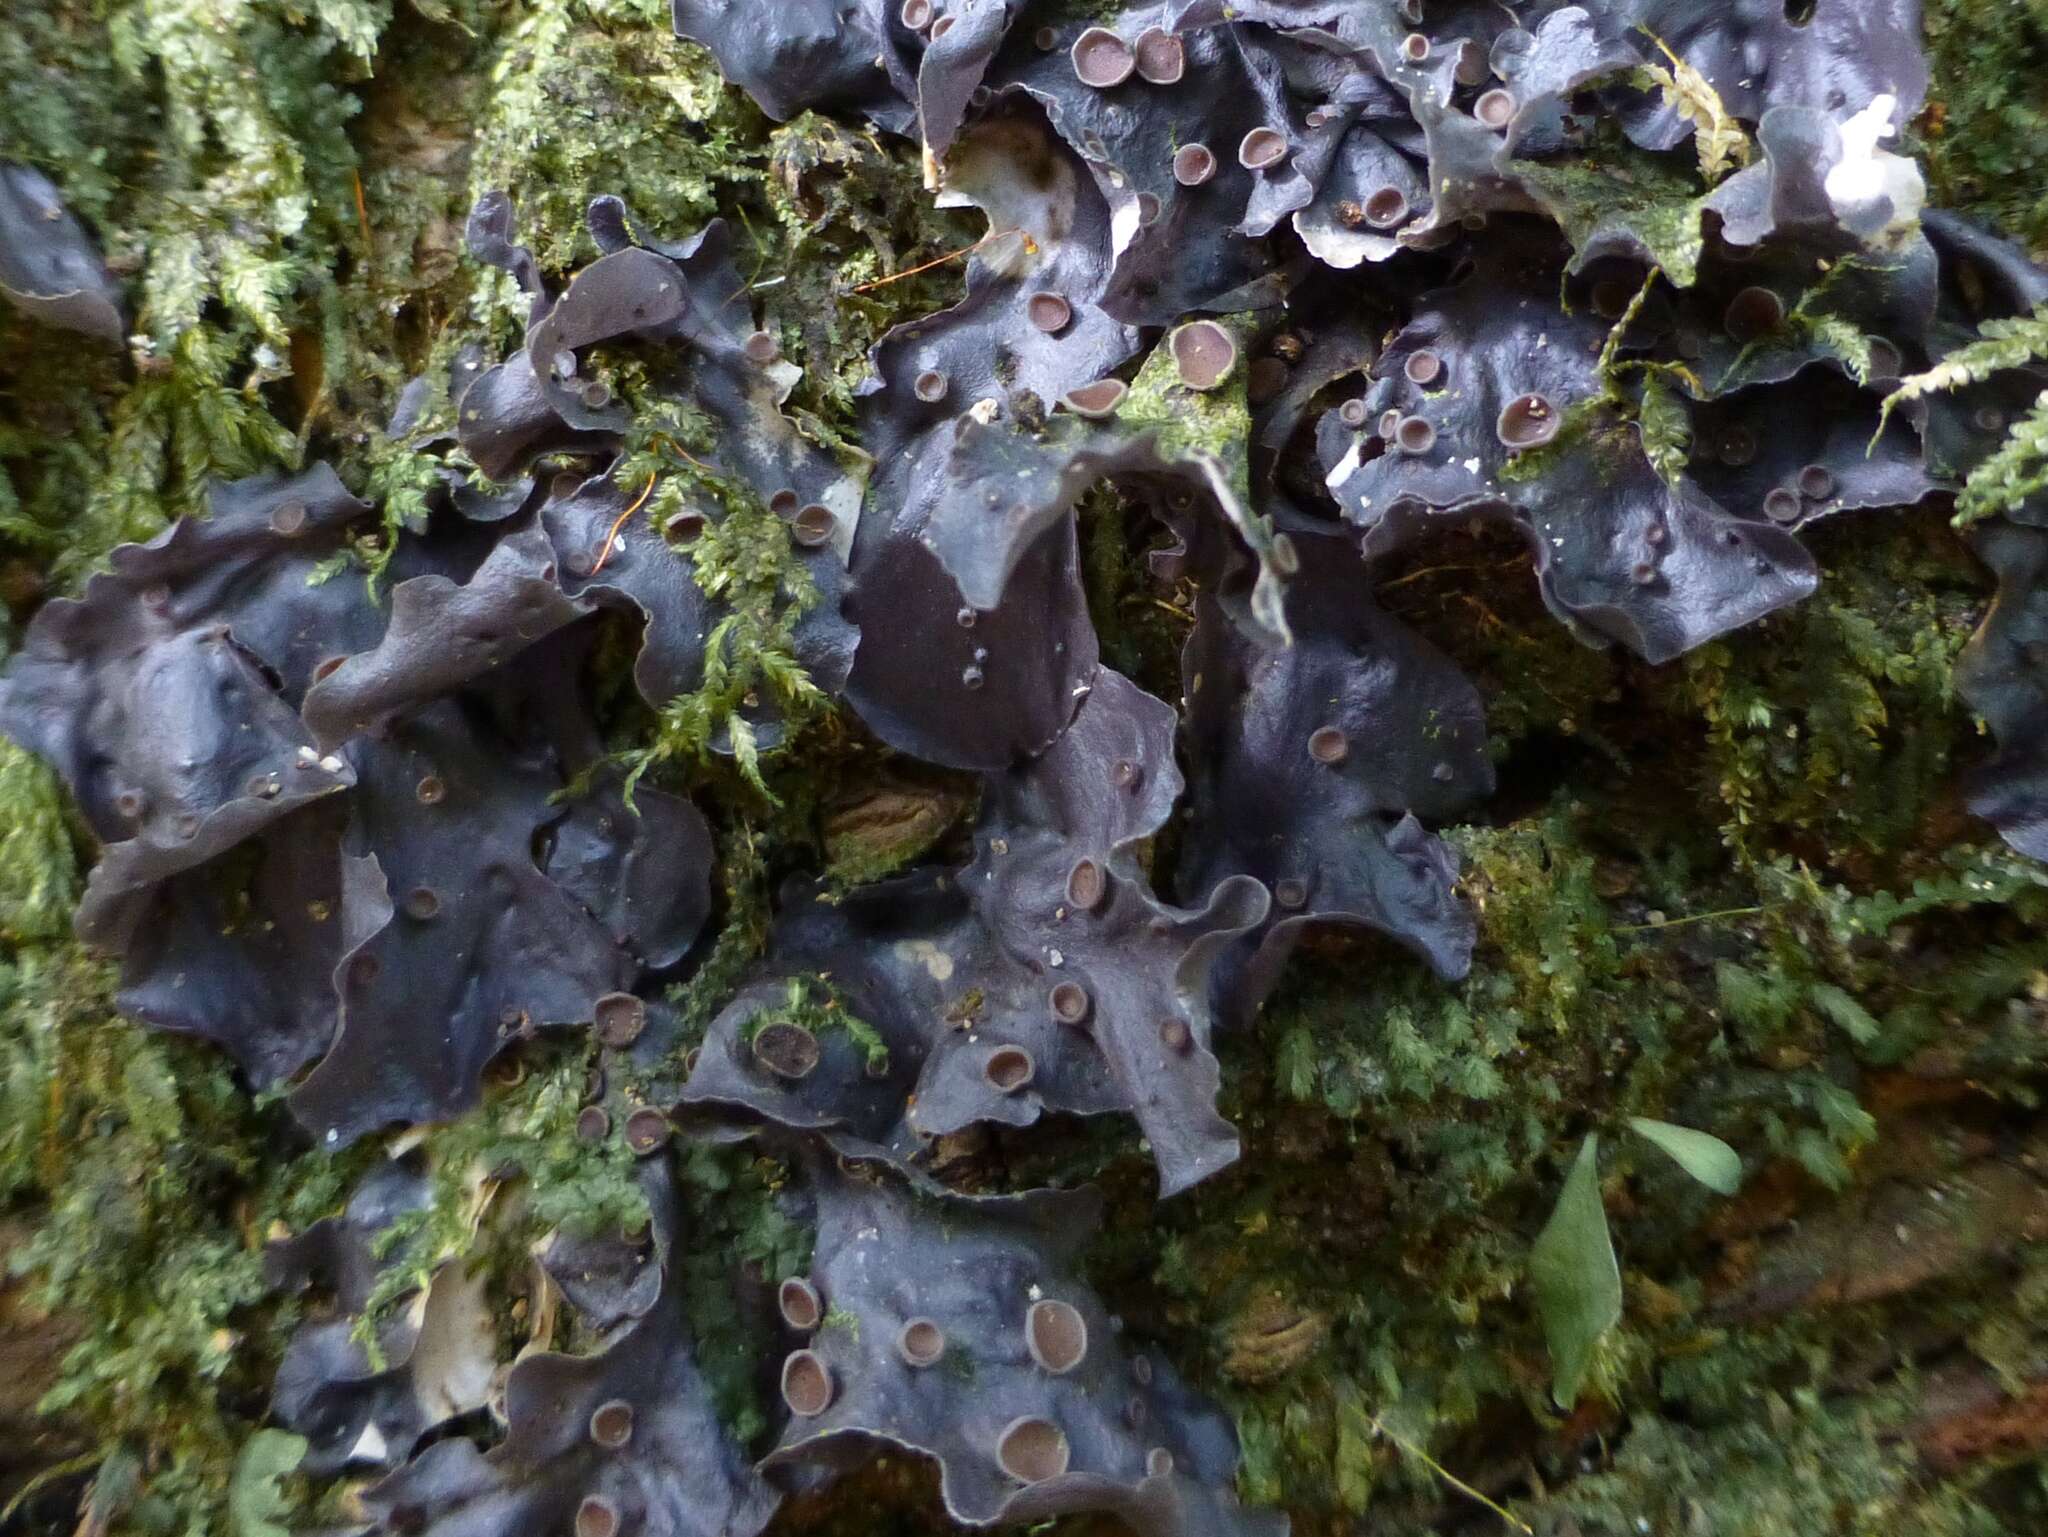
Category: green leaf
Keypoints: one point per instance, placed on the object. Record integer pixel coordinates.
(1706, 1158)
(256, 1505)
(1856, 1021)
(1666, 428)
(1294, 1065)
(747, 754)
(1357, 1463)
(1576, 1278)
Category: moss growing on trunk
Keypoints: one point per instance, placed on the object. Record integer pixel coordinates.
(1736, 893)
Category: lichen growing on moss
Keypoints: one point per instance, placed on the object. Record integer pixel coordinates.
(1734, 893)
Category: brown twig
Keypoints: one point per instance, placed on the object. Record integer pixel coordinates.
(1416, 576)
(363, 217)
(940, 261)
(611, 538)
(1490, 618)
(683, 453)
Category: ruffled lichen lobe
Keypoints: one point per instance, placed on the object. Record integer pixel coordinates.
(1739, 892)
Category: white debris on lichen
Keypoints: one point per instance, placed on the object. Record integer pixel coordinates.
(1866, 176)
(1345, 469)
(923, 952)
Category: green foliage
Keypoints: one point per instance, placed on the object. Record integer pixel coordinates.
(743, 560)
(2009, 478)
(1985, 134)
(505, 1177)
(145, 1159)
(38, 868)
(737, 1227)
(1836, 722)
(398, 482)
(125, 470)
(186, 424)
(1705, 1157)
(850, 215)
(596, 96)
(1399, 1140)
(256, 1506)
(1795, 1468)
(1666, 427)
(220, 128)
(1717, 138)
(1575, 1277)
(2001, 344)
(2004, 481)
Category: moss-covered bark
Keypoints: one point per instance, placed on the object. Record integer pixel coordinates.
(1736, 893)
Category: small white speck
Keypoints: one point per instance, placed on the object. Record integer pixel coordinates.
(370, 1445)
(1345, 468)
(922, 952)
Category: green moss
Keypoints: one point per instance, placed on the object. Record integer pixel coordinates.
(149, 1169)
(744, 562)
(1624, 192)
(588, 97)
(1733, 893)
(740, 1232)
(1796, 1467)
(38, 866)
(1985, 133)
(506, 1177)
(812, 1003)
(840, 264)
(1835, 723)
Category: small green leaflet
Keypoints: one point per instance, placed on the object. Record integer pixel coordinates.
(1294, 1065)
(1576, 1278)
(1856, 1021)
(1706, 1158)
(256, 1506)
(1666, 428)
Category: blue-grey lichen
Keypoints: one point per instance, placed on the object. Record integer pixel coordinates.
(390, 786)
